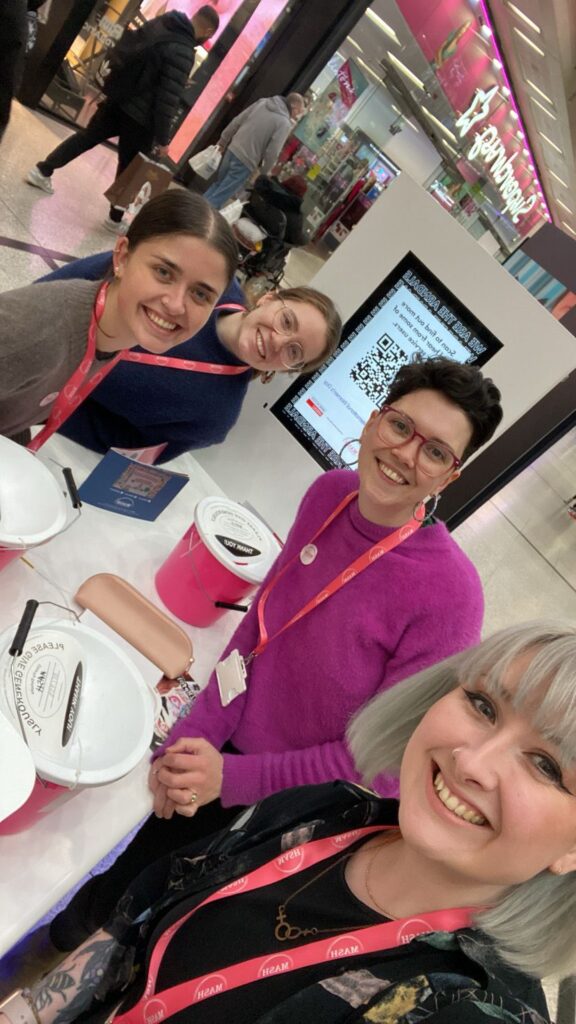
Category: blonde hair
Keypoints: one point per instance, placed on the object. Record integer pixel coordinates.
(532, 926)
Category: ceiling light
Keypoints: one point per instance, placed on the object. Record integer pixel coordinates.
(369, 70)
(405, 71)
(564, 207)
(539, 91)
(525, 152)
(396, 109)
(411, 125)
(520, 134)
(377, 20)
(542, 107)
(497, 64)
(528, 41)
(505, 90)
(566, 225)
(514, 114)
(354, 43)
(486, 31)
(439, 123)
(525, 18)
(557, 178)
(451, 148)
(550, 143)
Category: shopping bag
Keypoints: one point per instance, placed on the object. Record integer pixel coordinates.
(233, 211)
(207, 162)
(143, 179)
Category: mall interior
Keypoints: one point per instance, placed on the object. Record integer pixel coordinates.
(436, 175)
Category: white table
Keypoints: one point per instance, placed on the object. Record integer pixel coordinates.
(39, 866)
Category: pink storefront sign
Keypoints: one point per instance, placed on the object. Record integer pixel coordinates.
(254, 32)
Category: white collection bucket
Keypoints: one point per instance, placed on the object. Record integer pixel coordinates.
(33, 508)
(223, 556)
(114, 712)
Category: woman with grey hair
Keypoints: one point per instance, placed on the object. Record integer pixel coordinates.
(329, 904)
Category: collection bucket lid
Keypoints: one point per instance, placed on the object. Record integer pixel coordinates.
(33, 508)
(236, 537)
(114, 713)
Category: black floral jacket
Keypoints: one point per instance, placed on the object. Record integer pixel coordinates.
(417, 983)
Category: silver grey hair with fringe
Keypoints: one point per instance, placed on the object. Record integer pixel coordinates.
(533, 925)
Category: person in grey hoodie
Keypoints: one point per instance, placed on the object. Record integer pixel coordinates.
(252, 141)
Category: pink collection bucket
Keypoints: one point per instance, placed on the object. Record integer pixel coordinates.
(42, 795)
(223, 556)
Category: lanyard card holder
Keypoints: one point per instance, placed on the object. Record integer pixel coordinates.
(151, 632)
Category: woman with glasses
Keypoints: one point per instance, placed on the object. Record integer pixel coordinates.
(367, 590)
(139, 405)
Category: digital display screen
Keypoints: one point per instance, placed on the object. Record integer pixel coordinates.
(410, 312)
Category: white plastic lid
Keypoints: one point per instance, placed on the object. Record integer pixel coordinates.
(115, 714)
(33, 508)
(236, 537)
(17, 775)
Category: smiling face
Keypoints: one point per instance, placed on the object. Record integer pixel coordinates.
(482, 791)
(259, 343)
(391, 481)
(165, 289)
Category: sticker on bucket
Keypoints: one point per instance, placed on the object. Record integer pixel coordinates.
(237, 547)
(41, 689)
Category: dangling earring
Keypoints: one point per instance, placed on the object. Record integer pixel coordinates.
(266, 376)
(428, 512)
(354, 461)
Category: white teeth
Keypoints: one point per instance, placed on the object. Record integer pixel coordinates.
(454, 804)
(260, 346)
(168, 325)
(391, 474)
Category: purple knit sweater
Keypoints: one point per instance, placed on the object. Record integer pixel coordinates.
(418, 604)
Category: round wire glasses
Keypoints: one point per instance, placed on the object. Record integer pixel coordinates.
(285, 323)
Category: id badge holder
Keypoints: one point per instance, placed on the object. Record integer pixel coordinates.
(231, 676)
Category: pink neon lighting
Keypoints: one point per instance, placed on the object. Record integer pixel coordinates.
(225, 74)
(512, 100)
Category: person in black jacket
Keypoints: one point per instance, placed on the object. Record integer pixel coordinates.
(149, 72)
(12, 50)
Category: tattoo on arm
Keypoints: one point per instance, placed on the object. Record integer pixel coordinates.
(65, 992)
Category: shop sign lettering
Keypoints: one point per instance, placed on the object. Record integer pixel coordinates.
(488, 147)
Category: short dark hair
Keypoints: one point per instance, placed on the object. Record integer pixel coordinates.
(177, 212)
(209, 16)
(462, 384)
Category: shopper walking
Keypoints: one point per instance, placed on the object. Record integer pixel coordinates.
(252, 142)
(149, 72)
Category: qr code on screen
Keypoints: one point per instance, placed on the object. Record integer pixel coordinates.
(376, 371)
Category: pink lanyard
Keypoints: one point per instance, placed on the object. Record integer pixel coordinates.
(339, 581)
(79, 386)
(223, 369)
(154, 1007)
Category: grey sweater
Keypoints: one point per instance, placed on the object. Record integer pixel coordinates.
(257, 135)
(43, 338)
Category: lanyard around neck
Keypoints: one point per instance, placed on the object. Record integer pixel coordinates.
(345, 576)
(80, 385)
(193, 365)
(156, 1006)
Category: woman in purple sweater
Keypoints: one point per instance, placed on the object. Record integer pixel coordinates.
(419, 603)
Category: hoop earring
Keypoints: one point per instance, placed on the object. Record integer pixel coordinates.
(428, 512)
(354, 462)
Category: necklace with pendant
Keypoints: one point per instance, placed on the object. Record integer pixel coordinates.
(287, 932)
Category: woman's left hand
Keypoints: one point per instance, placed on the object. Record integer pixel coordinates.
(191, 772)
